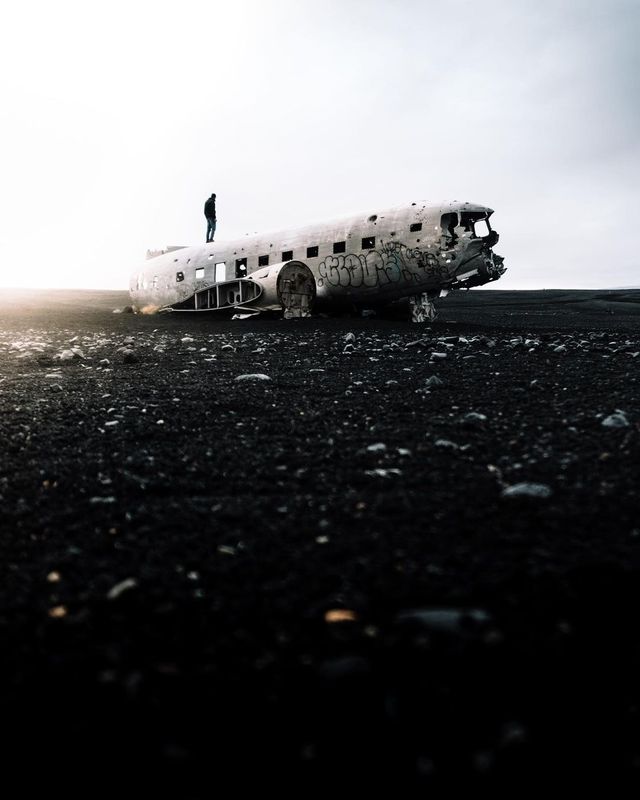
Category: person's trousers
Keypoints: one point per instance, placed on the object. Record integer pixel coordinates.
(211, 229)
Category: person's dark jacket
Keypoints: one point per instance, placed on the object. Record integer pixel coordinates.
(210, 208)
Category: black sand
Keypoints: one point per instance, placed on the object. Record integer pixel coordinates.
(315, 582)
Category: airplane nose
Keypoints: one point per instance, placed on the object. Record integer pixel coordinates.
(485, 266)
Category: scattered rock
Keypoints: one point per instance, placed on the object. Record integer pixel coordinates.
(378, 447)
(382, 473)
(434, 382)
(122, 587)
(340, 615)
(66, 355)
(253, 376)
(473, 418)
(526, 489)
(446, 444)
(616, 420)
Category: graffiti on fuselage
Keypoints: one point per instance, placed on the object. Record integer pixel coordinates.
(390, 263)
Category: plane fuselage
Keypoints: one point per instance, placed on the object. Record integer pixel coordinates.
(365, 259)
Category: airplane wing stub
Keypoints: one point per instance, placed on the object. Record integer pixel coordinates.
(289, 287)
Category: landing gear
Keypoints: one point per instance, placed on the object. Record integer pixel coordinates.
(423, 308)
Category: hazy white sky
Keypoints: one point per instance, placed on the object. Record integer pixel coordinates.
(118, 119)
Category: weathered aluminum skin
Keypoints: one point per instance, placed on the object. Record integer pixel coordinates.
(402, 263)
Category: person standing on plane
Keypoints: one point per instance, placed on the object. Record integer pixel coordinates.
(210, 214)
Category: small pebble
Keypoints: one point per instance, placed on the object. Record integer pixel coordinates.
(253, 376)
(526, 489)
(121, 588)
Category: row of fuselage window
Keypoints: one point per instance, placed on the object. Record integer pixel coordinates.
(368, 243)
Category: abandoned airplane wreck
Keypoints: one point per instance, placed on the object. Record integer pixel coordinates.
(415, 252)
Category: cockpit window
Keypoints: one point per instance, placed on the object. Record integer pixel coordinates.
(475, 223)
(482, 228)
(448, 223)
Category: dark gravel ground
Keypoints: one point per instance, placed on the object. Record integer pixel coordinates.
(321, 581)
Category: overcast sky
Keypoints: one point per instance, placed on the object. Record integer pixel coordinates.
(118, 119)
